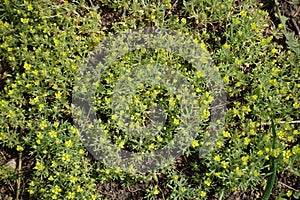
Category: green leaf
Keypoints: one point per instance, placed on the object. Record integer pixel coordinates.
(272, 177)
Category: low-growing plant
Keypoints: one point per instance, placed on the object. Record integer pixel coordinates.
(44, 46)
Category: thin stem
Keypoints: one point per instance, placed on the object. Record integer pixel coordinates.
(287, 186)
(19, 176)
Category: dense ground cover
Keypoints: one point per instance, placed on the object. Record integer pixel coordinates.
(43, 48)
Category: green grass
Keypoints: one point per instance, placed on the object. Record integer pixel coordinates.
(43, 46)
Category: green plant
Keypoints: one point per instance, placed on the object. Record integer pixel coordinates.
(43, 46)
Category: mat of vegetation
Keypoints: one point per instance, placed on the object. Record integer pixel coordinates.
(43, 45)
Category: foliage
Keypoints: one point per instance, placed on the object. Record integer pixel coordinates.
(44, 44)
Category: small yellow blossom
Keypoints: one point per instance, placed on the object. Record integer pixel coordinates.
(195, 143)
(66, 157)
(53, 134)
(58, 95)
(217, 158)
(39, 166)
(24, 20)
(289, 193)
(32, 184)
(176, 121)
(71, 195)
(151, 146)
(224, 164)
(226, 134)
(51, 178)
(238, 171)
(73, 179)
(207, 182)
(20, 148)
(68, 143)
(205, 114)
(243, 13)
(247, 140)
(121, 144)
(245, 160)
(203, 194)
(155, 191)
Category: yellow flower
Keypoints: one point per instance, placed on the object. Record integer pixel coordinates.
(71, 195)
(198, 90)
(226, 134)
(205, 114)
(68, 143)
(253, 25)
(176, 121)
(114, 116)
(107, 100)
(56, 190)
(20, 148)
(195, 143)
(226, 46)
(247, 140)
(159, 139)
(289, 193)
(207, 182)
(218, 174)
(286, 155)
(41, 107)
(226, 79)
(53, 134)
(53, 164)
(118, 170)
(81, 151)
(155, 191)
(151, 146)
(51, 178)
(175, 177)
(281, 134)
(199, 74)
(183, 20)
(32, 183)
(238, 171)
(24, 20)
(29, 8)
(203, 194)
(58, 95)
(217, 158)
(172, 102)
(121, 144)
(66, 157)
(27, 66)
(246, 108)
(43, 125)
(224, 164)
(245, 160)
(238, 61)
(39, 166)
(79, 189)
(73, 179)
(220, 144)
(243, 13)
